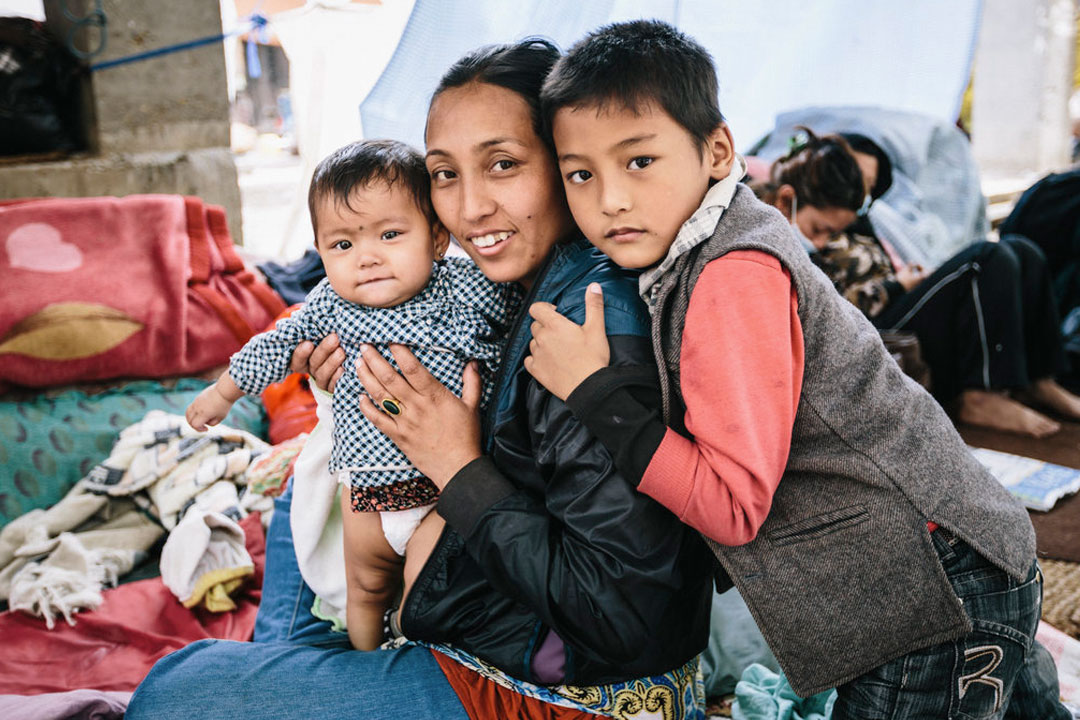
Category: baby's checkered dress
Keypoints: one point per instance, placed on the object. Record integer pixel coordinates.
(457, 317)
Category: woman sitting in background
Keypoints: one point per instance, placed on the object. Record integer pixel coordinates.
(986, 318)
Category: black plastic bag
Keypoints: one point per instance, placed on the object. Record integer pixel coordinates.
(40, 95)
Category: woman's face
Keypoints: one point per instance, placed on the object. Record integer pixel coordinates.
(819, 225)
(494, 183)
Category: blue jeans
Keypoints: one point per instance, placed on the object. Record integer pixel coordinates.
(285, 608)
(996, 671)
(297, 667)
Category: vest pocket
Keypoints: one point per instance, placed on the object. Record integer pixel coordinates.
(818, 525)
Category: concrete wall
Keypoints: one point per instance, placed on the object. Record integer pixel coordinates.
(156, 126)
(1023, 78)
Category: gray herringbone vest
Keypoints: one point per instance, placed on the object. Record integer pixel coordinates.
(842, 576)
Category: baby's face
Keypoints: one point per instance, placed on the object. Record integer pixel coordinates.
(378, 250)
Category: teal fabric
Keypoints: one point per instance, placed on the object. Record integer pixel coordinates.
(735, 643)
(765, 695)
(49, 443)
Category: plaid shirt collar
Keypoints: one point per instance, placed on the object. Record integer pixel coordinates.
(694, 231)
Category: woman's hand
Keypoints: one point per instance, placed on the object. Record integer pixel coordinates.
(324, 363)
(438, 431)
(564, 353)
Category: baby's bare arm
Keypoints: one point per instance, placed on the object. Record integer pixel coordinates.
(212, 405)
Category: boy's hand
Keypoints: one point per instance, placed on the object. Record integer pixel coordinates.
(563, 352)
(208, 408)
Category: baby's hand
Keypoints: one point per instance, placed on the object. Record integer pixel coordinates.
(209, 408)
(564, 353)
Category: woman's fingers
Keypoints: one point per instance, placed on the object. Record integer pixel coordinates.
(381, 420)
(301, 356)
(472, 387)
(326, 362)
(415, 374)
(371, 384)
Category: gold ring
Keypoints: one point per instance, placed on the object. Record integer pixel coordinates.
(390, 406)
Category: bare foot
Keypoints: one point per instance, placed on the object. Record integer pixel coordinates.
(1000, 412)
(1047, 392)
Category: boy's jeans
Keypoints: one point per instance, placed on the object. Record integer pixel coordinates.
(996, 671)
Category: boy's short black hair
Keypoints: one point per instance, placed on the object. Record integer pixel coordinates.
(635, 63)
(360, 164)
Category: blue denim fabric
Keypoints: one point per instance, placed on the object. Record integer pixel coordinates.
(996, 671)
(297, 668)
(285, 608)
(222, 679)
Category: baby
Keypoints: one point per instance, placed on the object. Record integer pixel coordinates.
(386, 282)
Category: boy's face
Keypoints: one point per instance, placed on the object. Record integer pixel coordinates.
(379, 252)
(632, 179)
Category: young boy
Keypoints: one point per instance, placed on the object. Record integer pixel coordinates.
(386, 282)
(874, 552)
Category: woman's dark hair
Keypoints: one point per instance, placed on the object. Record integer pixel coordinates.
(822, 171)
(863, 144)
(519, 67)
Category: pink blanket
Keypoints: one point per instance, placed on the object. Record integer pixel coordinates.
(141, 286)
(113, 647)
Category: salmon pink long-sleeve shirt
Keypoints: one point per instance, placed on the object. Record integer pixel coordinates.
(741, 369)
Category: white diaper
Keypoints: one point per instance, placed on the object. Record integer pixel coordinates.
(399, 525)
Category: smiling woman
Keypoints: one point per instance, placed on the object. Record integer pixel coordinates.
(535, 602)
(494, 182)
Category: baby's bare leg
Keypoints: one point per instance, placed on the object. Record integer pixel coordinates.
(372, 575)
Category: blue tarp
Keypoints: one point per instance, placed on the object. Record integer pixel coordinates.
(771, 55)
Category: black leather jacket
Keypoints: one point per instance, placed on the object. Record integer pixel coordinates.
(543, 534)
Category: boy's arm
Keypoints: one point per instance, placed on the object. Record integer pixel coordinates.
(600, 584)
(741, 372)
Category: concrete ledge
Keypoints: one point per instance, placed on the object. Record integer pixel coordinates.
(208, 173)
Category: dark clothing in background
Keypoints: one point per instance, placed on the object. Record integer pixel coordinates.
(294, 280)
(987, 318)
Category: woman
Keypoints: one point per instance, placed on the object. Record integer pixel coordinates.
(986, 319)
(550, 566)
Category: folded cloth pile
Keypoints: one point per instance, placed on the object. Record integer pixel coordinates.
(55, 562)
(173, 463)
(204, 560)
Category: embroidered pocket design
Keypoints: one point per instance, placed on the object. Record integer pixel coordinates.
(991, 656)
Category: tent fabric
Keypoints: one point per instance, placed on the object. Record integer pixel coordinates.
(113, 647)
(771, 56)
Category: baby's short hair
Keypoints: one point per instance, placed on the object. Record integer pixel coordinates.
(632, 64)
(360, 164)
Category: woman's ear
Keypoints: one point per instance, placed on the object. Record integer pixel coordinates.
(440, 236)
(785, 196)
(720, 152)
